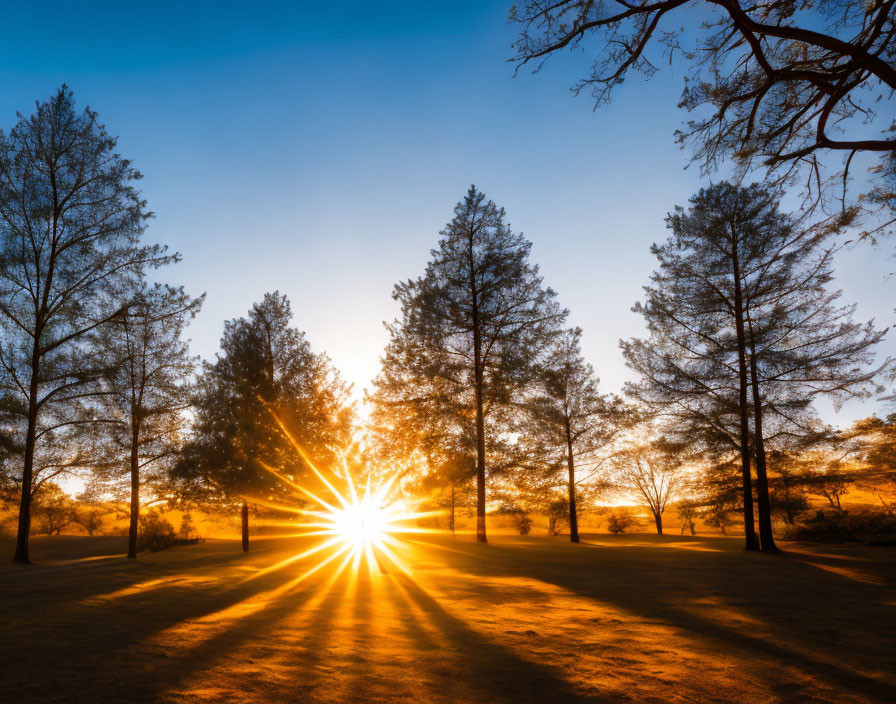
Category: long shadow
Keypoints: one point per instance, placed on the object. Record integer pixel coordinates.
(492, 671)
(647, 583)
(101, 647)
(301, 671)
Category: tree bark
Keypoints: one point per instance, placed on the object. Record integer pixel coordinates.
(453, 524)
(658, 519)
(480, 419)
(135, 492)
(573, 515)
(244, 515)
(750, 542)
(766, 537)
(24, 529)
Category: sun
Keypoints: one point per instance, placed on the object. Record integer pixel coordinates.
(361, 524)
(356, 522)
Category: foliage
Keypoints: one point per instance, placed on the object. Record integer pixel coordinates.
(264, 408)
(521, 520)
(558, 516)
(566, 424)
(150, 366)
(156, 533)
(875, 526)
(71, 220)
(53, 509)
(687, 511)
(618, 523)
(653, 470)
(741, 322)
(471, 328)
(187, 528)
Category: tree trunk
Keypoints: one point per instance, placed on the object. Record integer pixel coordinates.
(749, 526)
(453, 524)
(135, 492)
(658, 519)
(24, 530)
(244, 515)
(480, 419)
(573, 516)
(766, 537)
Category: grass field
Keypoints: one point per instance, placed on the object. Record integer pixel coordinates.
(618, 619)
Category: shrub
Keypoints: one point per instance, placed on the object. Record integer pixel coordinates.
(155, 533)
(518, 516)
(872, 526)
(522, 523)
(619, 523)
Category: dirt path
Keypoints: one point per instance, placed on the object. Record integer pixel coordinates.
(633, 618)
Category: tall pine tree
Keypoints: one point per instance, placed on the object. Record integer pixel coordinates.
(265, 390)
(71, 220)
(479, 317)
(148, 393)
(744, 332)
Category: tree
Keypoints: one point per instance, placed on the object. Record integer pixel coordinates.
(567, 419)
(419, 426)
(90, 508)
(264, 408)
(71, 220)
(148, 389)
(742, 303)
(778, 85)
(694, 363)
(478, 317)
(788, 491)
(876, 438)
(186, 526)
(654, 470)
(54, 509)
(619, 523)
(718, 495)
(687, 511)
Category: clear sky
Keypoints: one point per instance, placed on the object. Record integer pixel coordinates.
(318, 148)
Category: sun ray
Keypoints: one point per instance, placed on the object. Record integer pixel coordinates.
(362, 524)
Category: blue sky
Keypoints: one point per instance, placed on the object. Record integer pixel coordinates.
(318, 148)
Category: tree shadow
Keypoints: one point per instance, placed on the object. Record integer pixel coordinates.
(828, 625)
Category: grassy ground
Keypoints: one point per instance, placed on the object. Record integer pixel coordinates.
(628, 618)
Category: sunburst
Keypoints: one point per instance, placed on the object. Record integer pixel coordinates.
(359, 523)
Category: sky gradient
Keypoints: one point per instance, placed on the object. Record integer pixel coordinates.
(318, 148)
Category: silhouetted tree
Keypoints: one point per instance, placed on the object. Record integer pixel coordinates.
(776, 84)
(741, 302)
(654, 470)
(419, 425)
(687, 511)
(875, 441)
(478, 316)
(70, 257)
(567, 419)
(90, 508)
(54, 509)
(718, 495)
(148, 389)
(264, 401)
